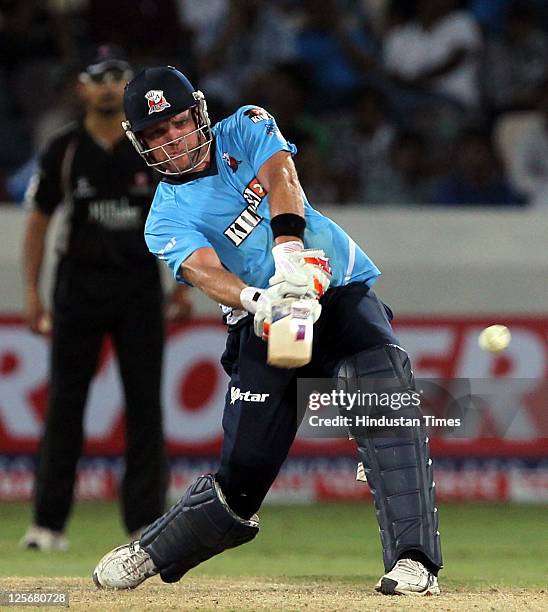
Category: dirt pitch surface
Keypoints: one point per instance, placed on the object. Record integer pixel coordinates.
(208, 593)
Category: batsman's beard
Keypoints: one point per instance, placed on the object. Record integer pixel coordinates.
(194, 156)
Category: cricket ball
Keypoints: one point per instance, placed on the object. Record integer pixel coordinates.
(494, 338)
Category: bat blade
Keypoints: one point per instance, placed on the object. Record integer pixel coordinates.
(290, 335)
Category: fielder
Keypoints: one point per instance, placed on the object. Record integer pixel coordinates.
(230, 217)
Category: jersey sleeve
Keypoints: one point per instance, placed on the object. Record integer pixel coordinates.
(45, 190)
(172, 240)
(260, 136)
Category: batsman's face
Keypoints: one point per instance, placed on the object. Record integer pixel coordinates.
(177, 142)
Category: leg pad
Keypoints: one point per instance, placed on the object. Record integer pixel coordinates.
(398, 469)
(199, 526)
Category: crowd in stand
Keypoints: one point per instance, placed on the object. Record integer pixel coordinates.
(407, 102)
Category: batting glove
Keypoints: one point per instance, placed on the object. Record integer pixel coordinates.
(296, 265)
(261, 302)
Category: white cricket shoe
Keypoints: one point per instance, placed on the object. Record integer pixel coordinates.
(124, 567)
(408, 577)
(43, 539)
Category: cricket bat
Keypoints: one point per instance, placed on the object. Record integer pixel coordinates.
(291, 333)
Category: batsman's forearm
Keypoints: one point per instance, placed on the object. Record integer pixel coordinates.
(218, 284)
(279, 177)
(285, 194)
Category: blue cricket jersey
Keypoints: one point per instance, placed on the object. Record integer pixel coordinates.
(226, 208)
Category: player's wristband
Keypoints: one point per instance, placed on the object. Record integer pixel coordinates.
(249, 296)
(288, 224)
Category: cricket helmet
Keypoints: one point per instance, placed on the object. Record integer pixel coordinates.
(160, 93)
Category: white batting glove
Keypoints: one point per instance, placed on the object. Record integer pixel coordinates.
(261, 302)
(298, 266)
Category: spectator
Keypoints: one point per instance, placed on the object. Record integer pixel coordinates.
(66, 107)
(337, 49)
(492, 15)
(515, 65)
(478, 179)
(17, 182)
(27, 33)
(150, 30)
(437, 52)
(399, 12)
(28, 50)
(405, 178)
(529, 163)
(314, 171)
(285, 92)
(246, 39)
(367, 134)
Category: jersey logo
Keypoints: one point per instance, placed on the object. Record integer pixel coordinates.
(231, 162)
(257, 114)
(249, 218)
(83, 188)
(156, 101)
(271, 128)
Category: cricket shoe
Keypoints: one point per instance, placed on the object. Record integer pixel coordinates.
(124, 567)
(408, 577)
(43, 539)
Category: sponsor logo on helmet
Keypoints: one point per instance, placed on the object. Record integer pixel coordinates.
(257, 114)
(231, 162)
(156, 101)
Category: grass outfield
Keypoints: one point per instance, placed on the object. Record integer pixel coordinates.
(323, 553)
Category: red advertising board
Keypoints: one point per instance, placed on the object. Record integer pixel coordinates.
(194, 387)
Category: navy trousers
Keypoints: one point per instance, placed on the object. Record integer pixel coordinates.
(88, 304)
(259, 434)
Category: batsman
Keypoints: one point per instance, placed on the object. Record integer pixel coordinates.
(230, 217)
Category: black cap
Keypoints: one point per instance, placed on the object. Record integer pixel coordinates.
(156, 94)
(106, 57)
